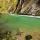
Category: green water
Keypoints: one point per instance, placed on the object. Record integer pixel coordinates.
(23, 22)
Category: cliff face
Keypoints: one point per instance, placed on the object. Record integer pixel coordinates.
(14, 5)
(30, 7)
